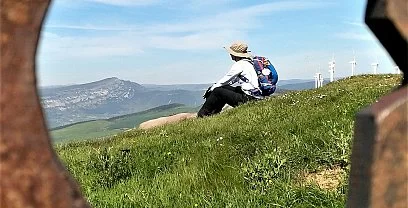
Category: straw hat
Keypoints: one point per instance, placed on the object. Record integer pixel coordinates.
(239, 49)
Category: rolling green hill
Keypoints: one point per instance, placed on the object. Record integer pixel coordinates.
(291, 150)
(107, 127)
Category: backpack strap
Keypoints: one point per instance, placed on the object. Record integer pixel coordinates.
(255, 92)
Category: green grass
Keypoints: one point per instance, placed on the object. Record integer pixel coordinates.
(108, 127)
(250, 156)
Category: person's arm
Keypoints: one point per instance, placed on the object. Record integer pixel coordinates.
(231, 75)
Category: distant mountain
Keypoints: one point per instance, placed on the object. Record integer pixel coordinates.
(108, 98)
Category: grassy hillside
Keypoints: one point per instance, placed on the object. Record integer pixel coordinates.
(291, 150)
(112, 126)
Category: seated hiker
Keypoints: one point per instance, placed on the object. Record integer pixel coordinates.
(238, 86)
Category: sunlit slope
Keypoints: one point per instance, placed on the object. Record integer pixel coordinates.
(261, 154)
(107, 127)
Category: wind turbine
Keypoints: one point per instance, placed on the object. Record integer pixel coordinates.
(375, 66)
(353, 63)
(332, 67)
(318, 79)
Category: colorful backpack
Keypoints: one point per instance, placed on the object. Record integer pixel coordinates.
(267, 75)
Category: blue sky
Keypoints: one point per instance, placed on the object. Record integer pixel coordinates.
(180, 41)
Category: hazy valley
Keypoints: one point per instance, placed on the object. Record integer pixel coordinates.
(109, 98)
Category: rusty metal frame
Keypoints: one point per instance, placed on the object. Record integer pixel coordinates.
(31, 173)
(379, 162)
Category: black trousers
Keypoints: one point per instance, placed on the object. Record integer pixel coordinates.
(220, 96)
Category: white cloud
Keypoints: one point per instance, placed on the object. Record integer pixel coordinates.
(186, 71)
(200, 3)
(245, 16)
(236, 19)
(126, 2)
(92, 55)
(355, 36)
(356, 23)
(200, 40)
(210, 32)
(92, 27)
(214, 31)
(49, 35)
(279, 6)
(59, 47)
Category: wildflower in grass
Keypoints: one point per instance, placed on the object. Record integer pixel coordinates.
(294, 102)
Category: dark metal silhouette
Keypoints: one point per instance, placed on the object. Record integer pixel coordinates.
(31, 174)
(379, 164)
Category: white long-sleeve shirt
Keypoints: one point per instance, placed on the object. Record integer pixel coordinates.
(243, 68)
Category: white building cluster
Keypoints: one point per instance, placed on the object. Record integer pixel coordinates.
(318, 80)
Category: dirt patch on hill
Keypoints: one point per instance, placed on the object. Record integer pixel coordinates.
(166, 120)
(328, 179)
